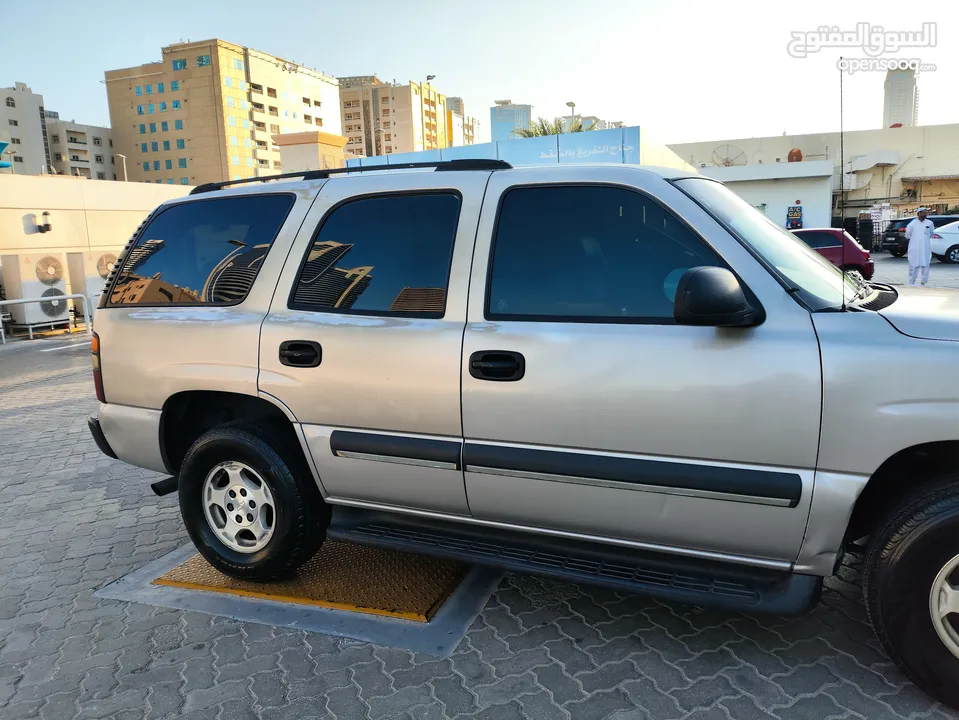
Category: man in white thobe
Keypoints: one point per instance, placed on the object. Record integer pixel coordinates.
(919, 234)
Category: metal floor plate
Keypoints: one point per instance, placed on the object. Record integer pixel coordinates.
(342, 576)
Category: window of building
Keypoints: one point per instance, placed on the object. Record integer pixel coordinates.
(202, 60)
(158, 181)
(244, 104)
(156, 164)
(162, 107)
(97, 141)
(389, 136)
(159, 87)
(143, 147)
(153, 127)
(229, 101)
(146, 166)
(149, 89)
(143, 128)
(308, 119)
(249, 162)
(233, 140)
(231, 121)
(58, 157)
(169, 181)
(317, 103)
(112, 160)
(17, 159)
(257, 107)
(139, 90)
(155, 147)
(174, 85)
(98, 159)
(386, 113)
(139, 109)
(168, 164)
(164, 126)
(166, 144)
(258, 89)
(246, 124)
(274, 129)
(589, 254)
(277, 165)
(247, 142)
(237, 64)
(234, 160)
(381, 256)
(180, 144)
(150, 109)
(110, 142)
(182, 162)
(184, 181)
(101, 176)
(228, 81)
(271, 92)
(177, 124)
(389, 148)
(319, 121)
(274, 111)
(11, 102)
(176, 104)
(180, 256)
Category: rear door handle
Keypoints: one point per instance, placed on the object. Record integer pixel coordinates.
(301, 353)
(497, 365)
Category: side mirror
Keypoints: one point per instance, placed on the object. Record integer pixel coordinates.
(712, 296)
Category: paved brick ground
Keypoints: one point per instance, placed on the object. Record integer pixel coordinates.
(72, 520)
(896, 271)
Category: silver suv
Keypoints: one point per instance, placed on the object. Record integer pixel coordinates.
(611, 374)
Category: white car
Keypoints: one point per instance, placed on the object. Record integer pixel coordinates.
(945, 243)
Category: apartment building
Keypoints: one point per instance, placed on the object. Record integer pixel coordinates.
(505, 118)
(382, 118)
(208, 110)
(81, 150)
(460, 128)
(22, 122)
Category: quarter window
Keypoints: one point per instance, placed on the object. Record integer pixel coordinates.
(206, 252)
(589, 254)
(387, 255)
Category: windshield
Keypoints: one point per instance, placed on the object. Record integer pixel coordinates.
(817, 281)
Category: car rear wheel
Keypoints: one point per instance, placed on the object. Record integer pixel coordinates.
(952, 255)
(911, 588)
(897, 253)
(250, 504)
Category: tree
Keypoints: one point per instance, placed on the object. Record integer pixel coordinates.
(543, 127)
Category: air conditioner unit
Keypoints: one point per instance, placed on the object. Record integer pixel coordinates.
(40, 276)
(88, 273)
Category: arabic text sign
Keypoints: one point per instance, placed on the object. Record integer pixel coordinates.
(873, 39)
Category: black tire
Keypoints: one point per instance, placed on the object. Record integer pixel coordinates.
(951, 256)
(905, 556)
(300, 518)
(897, 253)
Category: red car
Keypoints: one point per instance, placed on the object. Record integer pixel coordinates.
(839, 248)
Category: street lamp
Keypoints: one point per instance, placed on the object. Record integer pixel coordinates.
(572, 112)
(13, 167)
(124, 159)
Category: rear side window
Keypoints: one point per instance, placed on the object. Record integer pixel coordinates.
(589, 254)
(385, 255)
(940, 221)
(205, 252)
(819, 239)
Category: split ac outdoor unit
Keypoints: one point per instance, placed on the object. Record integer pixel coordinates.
(88, 273)
(39, 276)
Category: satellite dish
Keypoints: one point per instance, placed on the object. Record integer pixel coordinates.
(728, 156)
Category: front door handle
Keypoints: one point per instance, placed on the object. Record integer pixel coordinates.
(301, 353)
(497, 365)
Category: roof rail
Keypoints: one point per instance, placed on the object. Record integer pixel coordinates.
(442, 165)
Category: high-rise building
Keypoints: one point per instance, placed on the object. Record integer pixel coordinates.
(590, 122)
(81, 150)
(460, 129)
(382, 118)
(22, 124)
(208, 110)
(505, 119)
(456, 105)
(900, 103)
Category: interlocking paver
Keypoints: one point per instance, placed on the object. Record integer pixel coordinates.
(74, 520)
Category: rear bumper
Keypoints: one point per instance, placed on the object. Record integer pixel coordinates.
(93, 422)
(134, 434)
(868, 270)
(895, 243)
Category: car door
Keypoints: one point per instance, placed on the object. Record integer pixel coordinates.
(588, 410)
(362, 342)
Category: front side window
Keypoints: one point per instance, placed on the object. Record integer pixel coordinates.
(204, 252)
(589, 254)
(818, 283)
(387, 255)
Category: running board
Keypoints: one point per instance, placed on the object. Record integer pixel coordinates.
(670, 577)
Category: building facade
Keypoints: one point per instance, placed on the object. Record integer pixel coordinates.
(310, 151)
(505, 119)
(381, 118)
(81, 150)
(900, 99)
(22, 124)
(208, 110)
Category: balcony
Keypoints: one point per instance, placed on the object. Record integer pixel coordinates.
(79, 161)
(76, 141)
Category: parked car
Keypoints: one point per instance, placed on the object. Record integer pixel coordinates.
(839, 248)
(945, 243)
(610, 374)
(894, 239)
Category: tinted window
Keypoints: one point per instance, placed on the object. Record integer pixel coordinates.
(589, 252)
(207, 251)
(381, 255)
(940, 221)
(818, 239)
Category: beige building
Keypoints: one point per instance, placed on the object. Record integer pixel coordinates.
(81, 150)
(208, 112)
(904, 166)
(381, 118)
(22, 121)
(310, 151)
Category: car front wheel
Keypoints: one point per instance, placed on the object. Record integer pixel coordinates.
(952, 254)
(897, 253)
(249, 502)
(911, 587)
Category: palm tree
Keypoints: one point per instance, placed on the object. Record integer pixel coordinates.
(542, 127)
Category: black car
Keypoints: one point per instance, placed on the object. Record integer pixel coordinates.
(894, 239)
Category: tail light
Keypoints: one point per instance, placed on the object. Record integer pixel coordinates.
(97, 376)
(936, 236)
(866, 253)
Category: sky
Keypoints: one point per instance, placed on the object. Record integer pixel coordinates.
(684, 71)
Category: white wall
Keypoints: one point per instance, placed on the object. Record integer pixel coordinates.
(814, 194)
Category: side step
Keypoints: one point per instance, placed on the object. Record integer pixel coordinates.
(671, 577)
